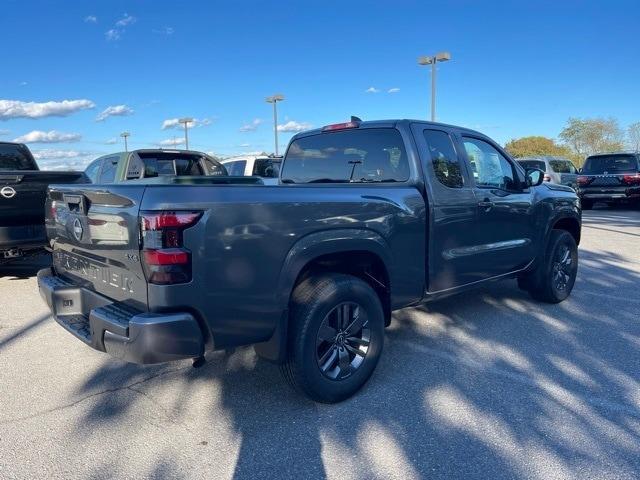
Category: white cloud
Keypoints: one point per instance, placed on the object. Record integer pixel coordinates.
(114, 34)
(393, 90)
(126, 20)
(251, 127)
(372, 90)
(18, 109)
(111, 141)
(175, 123)
(172, 142)
(4, 132)
(52, 136)
(164, 31)
(63, 159)
(90, 19)
(293, 126)
(23, 84)
(114, 111)
(244, 145)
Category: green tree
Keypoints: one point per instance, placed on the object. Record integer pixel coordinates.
(633, 134)
(592, 135)
(536, 146)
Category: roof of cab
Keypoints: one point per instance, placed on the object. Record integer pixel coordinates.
(389, 124)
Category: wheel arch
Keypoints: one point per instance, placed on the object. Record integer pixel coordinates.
(569, 224)
(359, 252)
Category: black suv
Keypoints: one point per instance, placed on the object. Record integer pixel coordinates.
(611, 178)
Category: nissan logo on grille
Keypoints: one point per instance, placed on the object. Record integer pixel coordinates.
(8, 192)
(77, 229)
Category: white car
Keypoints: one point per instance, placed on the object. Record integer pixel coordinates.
(267, 168)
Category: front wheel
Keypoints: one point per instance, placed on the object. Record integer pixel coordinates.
(553, 279)
(336, 336)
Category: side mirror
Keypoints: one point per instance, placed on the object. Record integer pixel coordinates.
(535, 177)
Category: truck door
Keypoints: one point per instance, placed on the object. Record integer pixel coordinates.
(503, 238)
(452, 207)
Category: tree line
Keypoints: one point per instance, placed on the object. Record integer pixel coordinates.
(579, 139)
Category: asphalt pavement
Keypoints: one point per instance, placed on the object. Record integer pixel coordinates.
(489, 384)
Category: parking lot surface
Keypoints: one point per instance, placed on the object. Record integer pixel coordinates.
(487, 385)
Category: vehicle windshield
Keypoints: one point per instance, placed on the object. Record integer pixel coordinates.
(532, 164)
(603, 164)
(16, 157)
(348, 156)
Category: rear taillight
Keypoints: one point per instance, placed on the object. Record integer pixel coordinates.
(582, 180)
(631, 179)
(164, 258)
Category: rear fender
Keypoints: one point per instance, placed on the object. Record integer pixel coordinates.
(304, 251)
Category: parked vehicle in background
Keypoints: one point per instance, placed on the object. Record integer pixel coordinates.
(611, 178)
(150, 163)
(556, 169)
(266, 167)
(368, 217)
(22, 195)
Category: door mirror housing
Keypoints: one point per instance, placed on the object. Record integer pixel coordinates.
(535, 177)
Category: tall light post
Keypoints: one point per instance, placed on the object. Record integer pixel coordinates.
(278, 97)
(125, 135)
(438, 57)
(186, 121)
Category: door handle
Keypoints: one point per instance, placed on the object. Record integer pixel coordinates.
(486, 203)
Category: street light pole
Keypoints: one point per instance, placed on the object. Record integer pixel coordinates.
(125, 135)
(278, 97)
(438, 57)
(186, 122)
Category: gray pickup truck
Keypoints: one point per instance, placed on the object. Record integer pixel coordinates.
(367, 218)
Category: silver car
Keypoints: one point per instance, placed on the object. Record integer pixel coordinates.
(556, 169)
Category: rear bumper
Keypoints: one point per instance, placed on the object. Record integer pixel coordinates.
(23, 237)
(617, 194)
(119, 330)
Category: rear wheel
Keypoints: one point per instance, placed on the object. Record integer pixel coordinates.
(553, 279)
(336, 336)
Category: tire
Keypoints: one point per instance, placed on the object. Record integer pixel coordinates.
(320, 345)
(554, 278)
(586, 204)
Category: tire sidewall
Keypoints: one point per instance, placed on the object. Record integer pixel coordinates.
(557, 240)
(340, 288)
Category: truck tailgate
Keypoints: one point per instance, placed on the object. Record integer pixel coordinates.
(95, 234)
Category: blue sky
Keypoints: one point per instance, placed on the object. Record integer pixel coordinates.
(517, 68)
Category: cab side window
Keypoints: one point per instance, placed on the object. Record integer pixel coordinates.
(489, 167)
(92, 170)
(444, 158)
(108, 173)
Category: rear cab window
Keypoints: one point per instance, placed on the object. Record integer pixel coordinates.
(266, 167)
(236, 168)
(349, 156)
(178, 164)
(605, 164)
(16, 157)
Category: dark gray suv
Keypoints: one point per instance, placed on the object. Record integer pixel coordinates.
(611, 178)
